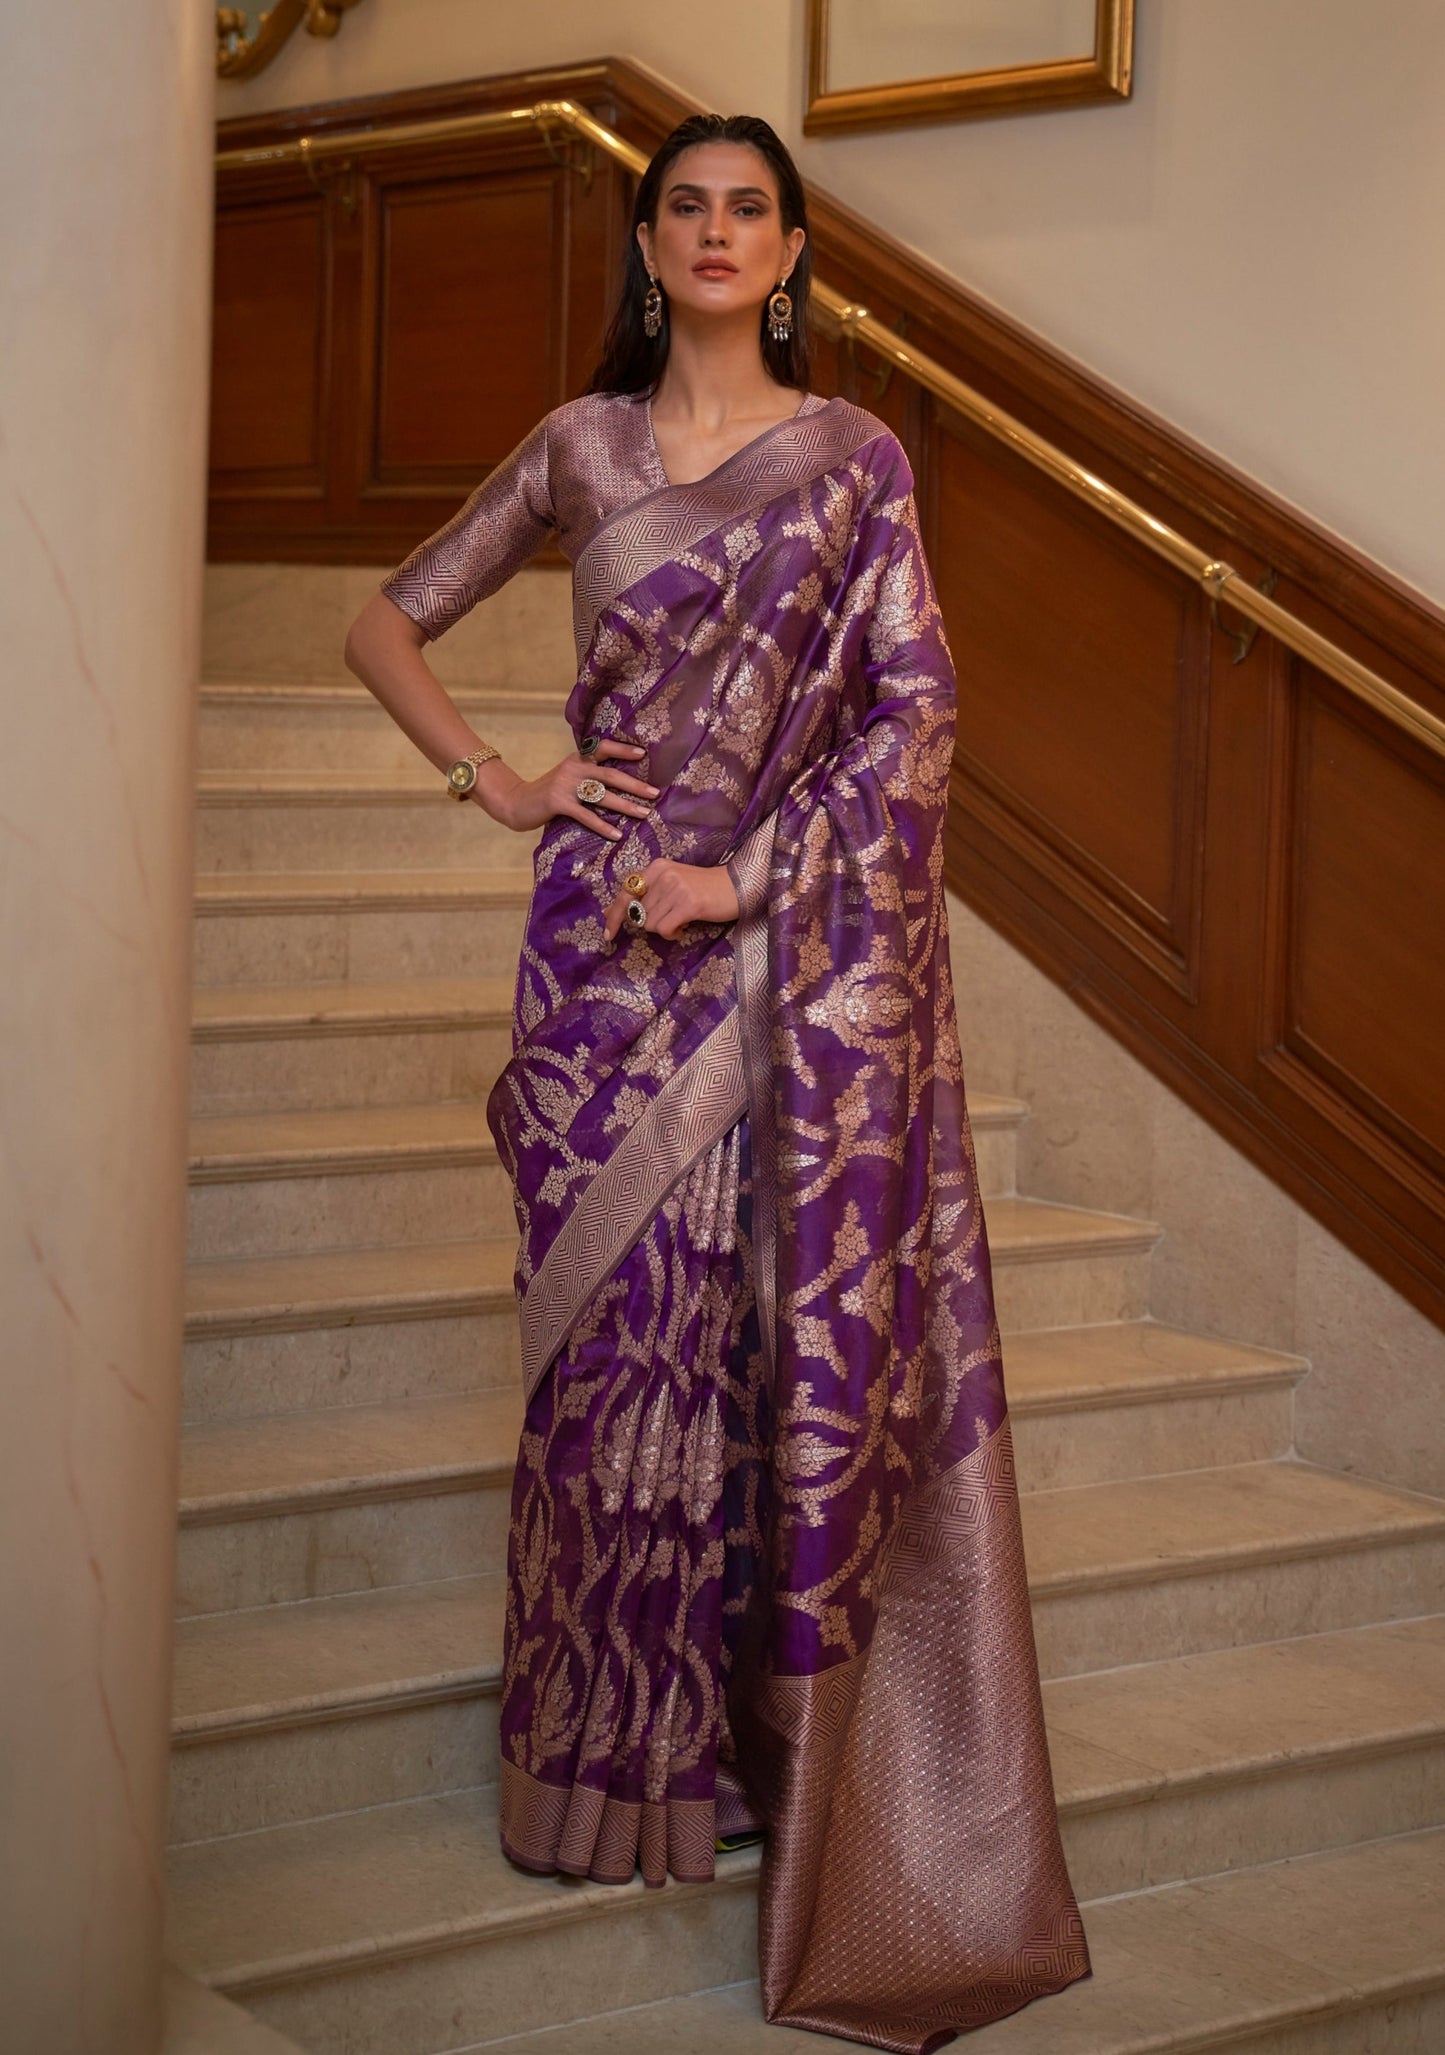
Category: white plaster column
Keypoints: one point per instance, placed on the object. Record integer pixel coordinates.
(106, 145)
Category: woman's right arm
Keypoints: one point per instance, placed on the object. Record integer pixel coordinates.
(503, 524)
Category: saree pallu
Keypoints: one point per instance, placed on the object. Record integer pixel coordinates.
(765, 1559)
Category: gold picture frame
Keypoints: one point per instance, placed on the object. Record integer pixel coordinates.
(1105, 73)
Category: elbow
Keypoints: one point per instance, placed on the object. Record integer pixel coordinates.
(351, 648)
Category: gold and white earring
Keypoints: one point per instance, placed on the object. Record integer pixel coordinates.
(652, 310)
(780, 314)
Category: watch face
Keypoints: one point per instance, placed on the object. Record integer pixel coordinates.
(462, 776)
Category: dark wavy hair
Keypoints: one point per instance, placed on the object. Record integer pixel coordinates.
(632, 361)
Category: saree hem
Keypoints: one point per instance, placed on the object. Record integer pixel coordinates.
(576, 1830)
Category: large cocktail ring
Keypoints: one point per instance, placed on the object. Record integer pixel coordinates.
(588, 745)
(592, 790)
(636, 915)
(635, 882)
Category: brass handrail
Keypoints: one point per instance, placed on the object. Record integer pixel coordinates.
(1220, 580)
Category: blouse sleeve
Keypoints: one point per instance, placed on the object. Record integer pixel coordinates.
(505, 522)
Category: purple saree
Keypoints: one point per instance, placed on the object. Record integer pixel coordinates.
(765, 1558)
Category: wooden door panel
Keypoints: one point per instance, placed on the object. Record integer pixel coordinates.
(467, 329)
(268, 363)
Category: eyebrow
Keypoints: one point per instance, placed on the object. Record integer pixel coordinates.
(733, 192)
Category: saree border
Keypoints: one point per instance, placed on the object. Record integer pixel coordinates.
(697, 1105)
(750, 868)
(644, 535)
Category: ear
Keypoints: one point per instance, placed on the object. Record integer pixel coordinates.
(644, 243)
(793, 243)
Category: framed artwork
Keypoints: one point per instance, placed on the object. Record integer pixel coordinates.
(889, 63)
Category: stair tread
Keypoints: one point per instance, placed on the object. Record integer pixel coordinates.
(1131, 1359)
(399, 1878)
(339, 693)
(276, 1458)
(1018, 1229)
(1115, 1736)
(1184, 1966)
(348, 1281)
(274, 1664)
(240, 1009)
(377, 889)
(319, 1138)
(314, 785)
(356, 1885)
(1147, 1527)
(282, 1457)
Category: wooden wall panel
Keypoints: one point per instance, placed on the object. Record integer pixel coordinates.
(268, 364)
(1359, 1002)
(1231, 865)
(468, 327)
(1081, 692)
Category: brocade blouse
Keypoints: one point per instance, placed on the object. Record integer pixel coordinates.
(580, 465)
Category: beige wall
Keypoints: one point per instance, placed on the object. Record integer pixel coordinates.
(1238, 1256)
(105, 227)
(1252, 246)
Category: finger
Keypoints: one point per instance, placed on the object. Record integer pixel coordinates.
(623, 781)
(579, 811)
(616, 747)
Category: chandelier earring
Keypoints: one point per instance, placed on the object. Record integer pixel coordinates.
(780, 314)
(652, 310)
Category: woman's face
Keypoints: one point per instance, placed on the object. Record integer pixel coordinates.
(719, 246)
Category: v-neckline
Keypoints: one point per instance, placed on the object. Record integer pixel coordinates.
(762, 434)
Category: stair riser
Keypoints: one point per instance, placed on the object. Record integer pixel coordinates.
(280, 735)
(1234, 1605)
(410, 1537)
(1289, 1811)
(228, 1565)
(434, 834)
(242, 1376)
(293, 1216)
(297, 947)
(1069, 1291)
(288, 623)
(270, 1779)
(682, 1938)
(290, 1073)
(1104, 1444)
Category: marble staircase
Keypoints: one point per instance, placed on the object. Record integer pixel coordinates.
(1244, 1655)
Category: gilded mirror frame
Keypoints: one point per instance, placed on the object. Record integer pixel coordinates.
(1105, 75)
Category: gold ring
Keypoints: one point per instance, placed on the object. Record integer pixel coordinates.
(635, 883)
(592, 789)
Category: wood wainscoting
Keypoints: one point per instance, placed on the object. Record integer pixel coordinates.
(1222, 855)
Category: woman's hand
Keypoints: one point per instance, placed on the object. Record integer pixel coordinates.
(674, 894)
(530, 802)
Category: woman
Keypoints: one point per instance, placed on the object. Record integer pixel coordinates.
(764, 1565)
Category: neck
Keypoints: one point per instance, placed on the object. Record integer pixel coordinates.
(715, 373)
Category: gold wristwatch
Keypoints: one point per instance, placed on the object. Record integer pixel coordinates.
(463, 773)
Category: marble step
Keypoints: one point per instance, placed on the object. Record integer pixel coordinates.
(408, 1916)
(1053, 1266)
(1331, 1954)
(277, 1508)
(364, 820)
(309, 1047)
(1153, 1567)
(285, 927)
(289, 1711)
(358, 1327)
(287, 623)
(296, 1182)
(249, 725)
(292, 1182)
(357, 1498)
